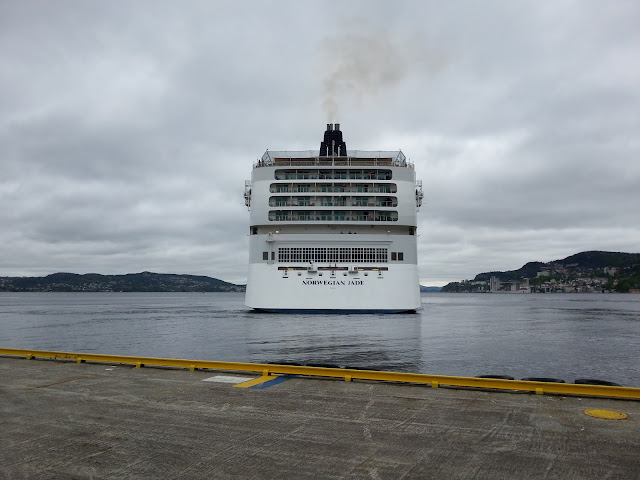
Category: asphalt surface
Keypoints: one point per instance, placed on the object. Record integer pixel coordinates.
(66, 420)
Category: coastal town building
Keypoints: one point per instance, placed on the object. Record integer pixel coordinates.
(546, 281)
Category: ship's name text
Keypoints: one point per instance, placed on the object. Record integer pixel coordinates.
(332, 282)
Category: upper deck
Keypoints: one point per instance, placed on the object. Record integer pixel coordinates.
(333, 185)
(355, 158)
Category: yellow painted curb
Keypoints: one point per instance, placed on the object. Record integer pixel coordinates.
(348, 374)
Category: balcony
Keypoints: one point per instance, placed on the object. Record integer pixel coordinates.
(332, 216)
(331, 201)
(363, 174)
(333, 188)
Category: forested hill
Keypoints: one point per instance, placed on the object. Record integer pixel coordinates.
(584, 262)
(132, 282)
(593, 271)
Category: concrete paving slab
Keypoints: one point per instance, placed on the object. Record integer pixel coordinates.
(67, 420)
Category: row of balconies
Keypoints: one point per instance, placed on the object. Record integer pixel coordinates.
(332, 175)
(331, 188)
(333, 202)
(332, 216)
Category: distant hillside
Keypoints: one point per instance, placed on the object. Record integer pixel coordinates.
(132, 282)
(583, 262)
(586, 271)
(526, 271)
(596, 259)
(429, 289)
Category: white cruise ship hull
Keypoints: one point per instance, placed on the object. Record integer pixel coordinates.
(393, 291)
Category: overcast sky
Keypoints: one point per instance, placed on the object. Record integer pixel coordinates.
(127, 129)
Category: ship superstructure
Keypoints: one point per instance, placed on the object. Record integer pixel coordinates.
(333, 230)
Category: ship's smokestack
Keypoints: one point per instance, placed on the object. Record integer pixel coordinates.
(333, 145)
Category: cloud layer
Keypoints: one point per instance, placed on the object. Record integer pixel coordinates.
(128, 128)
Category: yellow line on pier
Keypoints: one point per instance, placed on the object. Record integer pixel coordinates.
(255, 381)
(347, 374)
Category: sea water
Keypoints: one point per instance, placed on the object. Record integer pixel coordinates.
(565, 336)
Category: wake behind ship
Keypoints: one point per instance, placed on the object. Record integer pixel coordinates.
(333, 230)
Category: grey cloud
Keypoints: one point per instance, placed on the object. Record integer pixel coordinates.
(127, 131)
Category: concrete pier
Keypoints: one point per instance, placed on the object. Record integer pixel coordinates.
(68, 420)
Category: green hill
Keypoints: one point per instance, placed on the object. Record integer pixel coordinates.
(625, 277)
(584, 262)
(597, 259)
(528, 270)
(132, 282)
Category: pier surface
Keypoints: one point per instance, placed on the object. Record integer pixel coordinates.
(68, 420)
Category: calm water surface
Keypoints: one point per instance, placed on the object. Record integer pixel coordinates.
(556, 335)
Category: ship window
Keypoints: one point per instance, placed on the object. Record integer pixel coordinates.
(333, 255)
(265, 255)
(273, 256)
(399, 256)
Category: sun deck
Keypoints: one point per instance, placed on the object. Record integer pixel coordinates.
(356, 158)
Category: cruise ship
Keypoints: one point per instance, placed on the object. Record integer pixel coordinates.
(333, 230)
